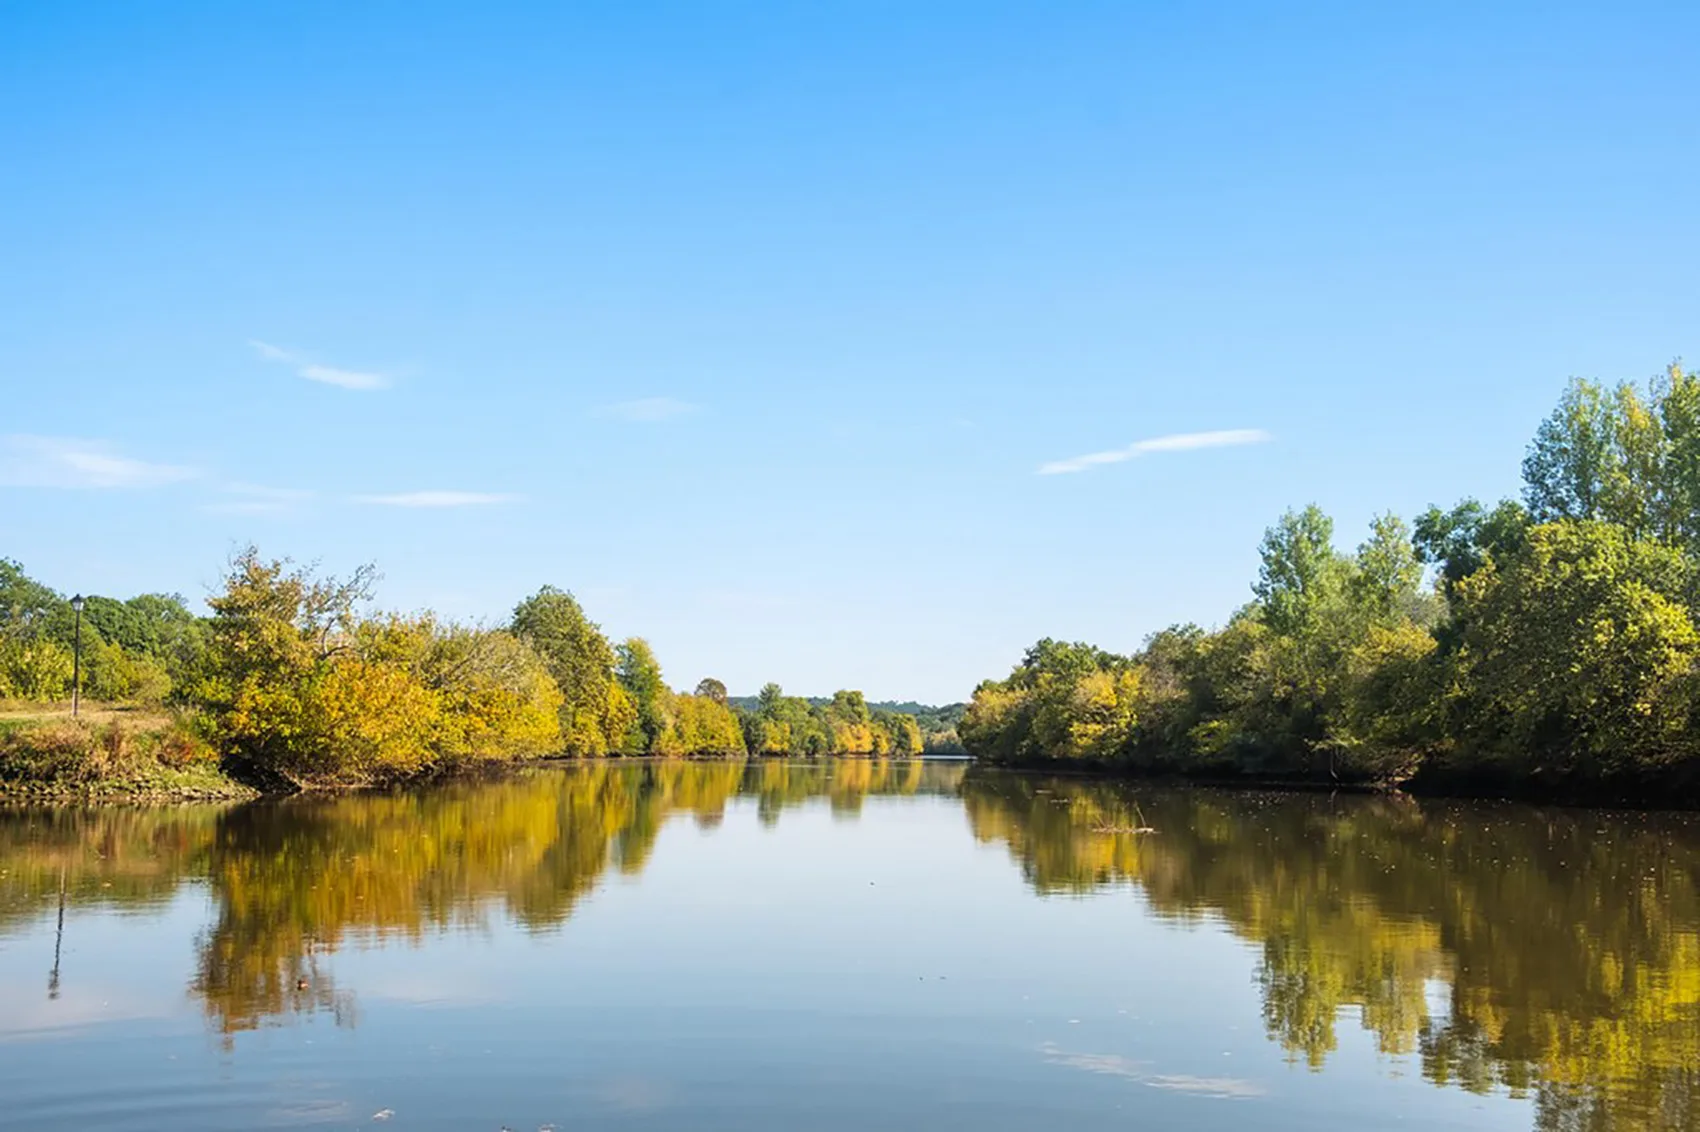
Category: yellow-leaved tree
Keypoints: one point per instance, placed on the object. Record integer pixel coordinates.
(297, 687)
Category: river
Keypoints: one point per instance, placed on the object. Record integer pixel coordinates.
(847, 945)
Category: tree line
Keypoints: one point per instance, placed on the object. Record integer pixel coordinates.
(937, 724)
(1547, 643)
(293, 681)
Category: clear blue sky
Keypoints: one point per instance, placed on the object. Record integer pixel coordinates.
(753, 324)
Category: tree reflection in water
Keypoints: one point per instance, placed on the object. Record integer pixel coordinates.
(1563, 942)
(1554, 953)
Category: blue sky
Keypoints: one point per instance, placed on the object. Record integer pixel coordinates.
(755, 324)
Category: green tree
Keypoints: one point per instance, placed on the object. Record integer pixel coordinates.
(1460, 541)
(787, 725)
(1628, 455)
(904, 730)
(26, 606)
(1572, 463)
(34, 669)
(1301, 572)
(1578, 654)
(639, 674)
(850, 724)
(157, 627)
(595, 711)
(1063, 701)
(1388, 572)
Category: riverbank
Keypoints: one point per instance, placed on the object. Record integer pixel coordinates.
(1428, 782)
(121, 756)
(109, 754)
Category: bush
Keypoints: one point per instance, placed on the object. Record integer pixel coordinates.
(77, 752)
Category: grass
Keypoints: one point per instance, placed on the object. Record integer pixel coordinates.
(108, 752)
(137, 716)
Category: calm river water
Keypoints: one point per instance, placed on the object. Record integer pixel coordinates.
(854, 945)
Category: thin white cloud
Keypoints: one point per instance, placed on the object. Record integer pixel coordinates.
(437, 499)
(363, 381)
(269, 352)
(648, 409)
(344, 378)
(1180, 442)
(67, 462)
(257, 499)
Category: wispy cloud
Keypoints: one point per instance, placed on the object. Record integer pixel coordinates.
(257, 499)
(1181, 442)
(67, 462)
(344, 378)
(364, 381)
(648, 409)
(437, 499)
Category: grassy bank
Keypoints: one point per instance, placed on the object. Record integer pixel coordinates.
(107, 753)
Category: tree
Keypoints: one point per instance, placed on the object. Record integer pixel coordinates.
(705, 725)
(1626, 455)
(1392, 697)
(1063, 701)
(787, 725)
(904, 729)
(850, 724)
(25, 604)
(34, 669)
(595, 712)
(287, 690)
(298, 686)
(639, 674)
(1579, 653)
(498, 698)
(1384, 584)
(1301, 571)
(710, 688)
(156, 626)
(1460, 541)
(1571, 464)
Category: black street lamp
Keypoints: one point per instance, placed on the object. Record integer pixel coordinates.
(77, 657)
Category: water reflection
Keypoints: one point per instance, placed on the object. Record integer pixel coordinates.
(293, 881)
(1552, 953)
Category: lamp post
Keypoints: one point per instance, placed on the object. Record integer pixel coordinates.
(77, 657)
